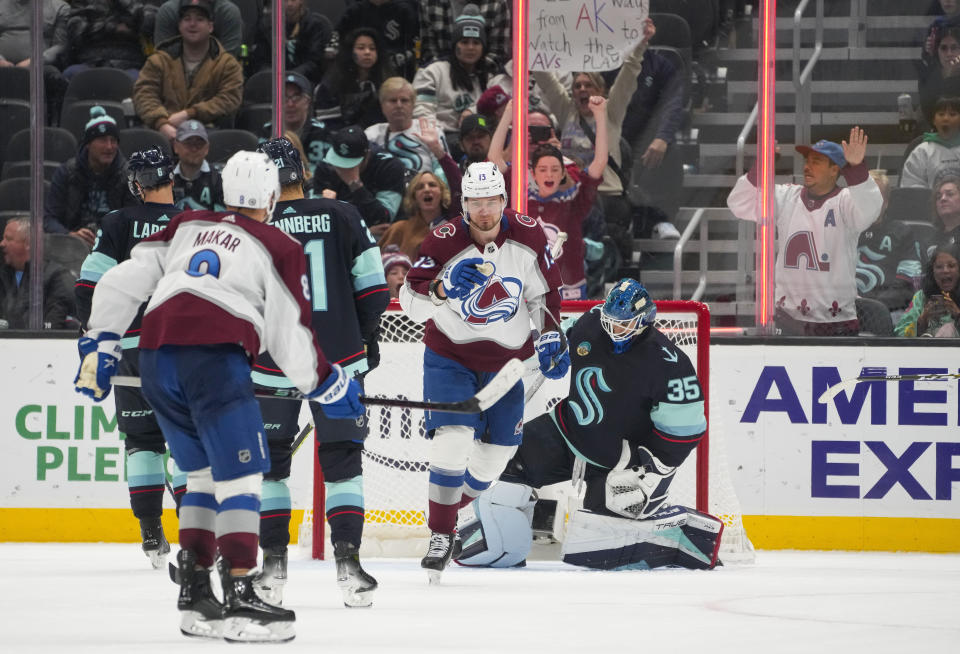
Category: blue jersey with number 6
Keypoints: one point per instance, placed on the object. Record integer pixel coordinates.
(648, 395)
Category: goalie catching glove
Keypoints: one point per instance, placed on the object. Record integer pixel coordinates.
(638, 491)
(339, 395)
(553, 363)
(460, 278)
(98, 363)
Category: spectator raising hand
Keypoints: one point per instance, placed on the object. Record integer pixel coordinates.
(856, 149)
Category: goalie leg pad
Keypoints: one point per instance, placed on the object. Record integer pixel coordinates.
(500, 535)
(675, 536)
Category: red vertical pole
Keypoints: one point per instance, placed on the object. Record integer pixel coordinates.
(279, 59)
(767, 81)
(518, 187)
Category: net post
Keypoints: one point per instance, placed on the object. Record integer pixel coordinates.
(319, 507)
(702, 311)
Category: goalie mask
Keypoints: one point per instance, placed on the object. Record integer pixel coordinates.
(626, 313)
(250, 181)
(287, 158)
(148, 169)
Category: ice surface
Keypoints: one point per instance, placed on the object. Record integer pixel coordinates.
(104, 598)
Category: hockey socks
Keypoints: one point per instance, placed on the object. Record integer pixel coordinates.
(275, 510)
(146, 481)
(344, 508)
(445, 492)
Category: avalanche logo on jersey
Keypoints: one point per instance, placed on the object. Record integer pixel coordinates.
(802, 246)
(497, 299)
(587, 381)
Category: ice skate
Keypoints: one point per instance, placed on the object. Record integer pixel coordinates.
(201, 614)
(357, 586)
(155, 544)
(438, 556)
(247, 618)
(273, 575)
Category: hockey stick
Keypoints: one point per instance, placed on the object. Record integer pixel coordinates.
(502, 382)
(302, 436)
(849, 384)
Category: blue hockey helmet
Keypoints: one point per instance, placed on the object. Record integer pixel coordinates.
(148, 168)
(287, 158)
(627, 312)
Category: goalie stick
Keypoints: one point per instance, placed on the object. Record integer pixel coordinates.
(502, 382)
(849, 384)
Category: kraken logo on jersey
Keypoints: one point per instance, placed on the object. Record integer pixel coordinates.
(588, 379)
(497, 299)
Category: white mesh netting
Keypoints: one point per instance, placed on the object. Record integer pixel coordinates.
(395, 466)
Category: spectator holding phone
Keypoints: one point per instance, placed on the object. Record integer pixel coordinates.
(934, 311)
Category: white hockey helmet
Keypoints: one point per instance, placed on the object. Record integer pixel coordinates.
(482, 180)
(251, 181)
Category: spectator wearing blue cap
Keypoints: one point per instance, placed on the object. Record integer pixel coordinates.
(818, 225)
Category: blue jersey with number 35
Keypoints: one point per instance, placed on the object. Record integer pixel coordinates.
(648, 395)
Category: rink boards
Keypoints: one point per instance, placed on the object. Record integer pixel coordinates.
(877, 469)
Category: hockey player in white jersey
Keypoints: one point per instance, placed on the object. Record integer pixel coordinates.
(818, 225)
(480, 281)
(223, 287)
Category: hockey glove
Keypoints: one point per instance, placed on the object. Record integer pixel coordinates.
(638, 491)
(98, 363)
(458, 280)
(339, 395)
(553, 363)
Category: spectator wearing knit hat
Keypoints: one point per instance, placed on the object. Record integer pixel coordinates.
(437, 29)
(492, 102)
(395, 267)
(449, 88)
(89, 185)
(189, 77)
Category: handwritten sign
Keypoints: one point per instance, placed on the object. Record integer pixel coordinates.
(590, 35)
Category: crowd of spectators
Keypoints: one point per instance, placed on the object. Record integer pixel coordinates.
(393, 101)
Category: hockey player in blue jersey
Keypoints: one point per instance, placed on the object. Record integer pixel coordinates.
(150, 179)
(349, 294)
(633, 413)
(481, 283)
(222, 287)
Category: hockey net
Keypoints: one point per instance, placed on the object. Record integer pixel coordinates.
(396, 460)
